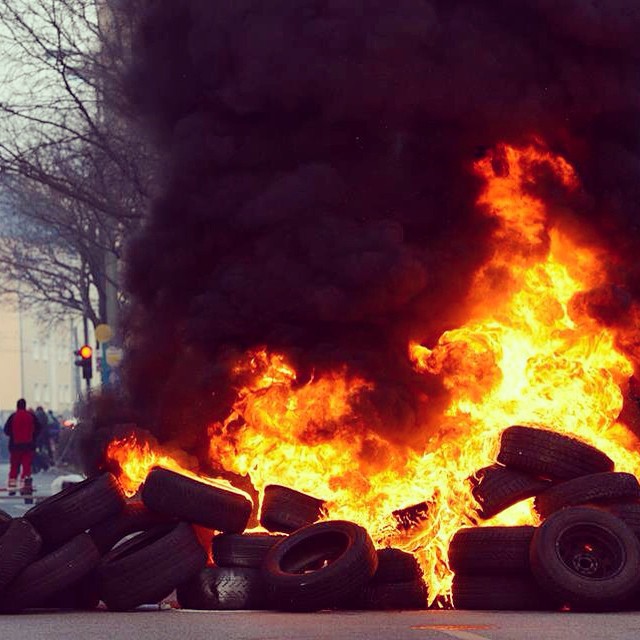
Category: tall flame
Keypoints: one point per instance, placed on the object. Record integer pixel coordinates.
(526, 355)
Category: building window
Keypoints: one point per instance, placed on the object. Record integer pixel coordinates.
(36, 392)
(36, 349)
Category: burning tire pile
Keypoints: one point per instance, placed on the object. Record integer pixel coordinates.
(88, 545)
(584, 556)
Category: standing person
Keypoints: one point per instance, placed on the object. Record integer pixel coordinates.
(54, 431)
(44, 452)
(23, 428)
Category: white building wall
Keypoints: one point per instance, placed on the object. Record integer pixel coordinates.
(37, 362)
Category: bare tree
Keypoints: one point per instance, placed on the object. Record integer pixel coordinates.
(74, 181)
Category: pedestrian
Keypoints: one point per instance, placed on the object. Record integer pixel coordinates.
(23, 428)
(44, 452)
(54, 432)
(54, 426)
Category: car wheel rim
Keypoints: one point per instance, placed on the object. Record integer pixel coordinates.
(591, 551)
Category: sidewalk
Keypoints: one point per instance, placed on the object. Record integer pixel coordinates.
(14, 505)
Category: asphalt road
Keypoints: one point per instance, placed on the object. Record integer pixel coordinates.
(15, 505)
(174, 624)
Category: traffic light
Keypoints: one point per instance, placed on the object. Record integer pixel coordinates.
(85, 356)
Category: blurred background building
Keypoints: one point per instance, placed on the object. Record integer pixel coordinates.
(37, 361)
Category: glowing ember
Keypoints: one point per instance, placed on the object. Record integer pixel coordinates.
(525, 356)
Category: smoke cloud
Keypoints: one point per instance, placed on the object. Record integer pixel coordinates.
(318, 196)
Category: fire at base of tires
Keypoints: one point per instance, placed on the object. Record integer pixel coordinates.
(187, 536)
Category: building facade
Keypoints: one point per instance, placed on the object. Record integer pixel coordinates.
(38, 362)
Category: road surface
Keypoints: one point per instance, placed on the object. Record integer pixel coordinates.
(259, 625)
(15, 505)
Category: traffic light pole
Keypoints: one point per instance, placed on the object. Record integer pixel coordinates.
(85, 328)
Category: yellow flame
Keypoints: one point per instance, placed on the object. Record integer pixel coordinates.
(136, 457)
(524, 356)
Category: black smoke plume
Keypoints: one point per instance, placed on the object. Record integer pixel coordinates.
(317, 191)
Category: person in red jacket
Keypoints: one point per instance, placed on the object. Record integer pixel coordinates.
(23, 428)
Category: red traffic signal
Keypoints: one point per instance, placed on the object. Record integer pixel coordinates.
(85, 353)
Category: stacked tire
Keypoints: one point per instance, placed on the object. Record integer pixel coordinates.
(48, 552)
(584, 555)
(397, 584)
(150, 565)
(492, 569)
(300, 565)
(87, 544)
(235, 582)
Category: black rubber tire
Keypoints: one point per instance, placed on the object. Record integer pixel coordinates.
(223, 588)
(285, 510)
(51, 574)
(82, 596)
(597, 487)
(550, 455)
(350, 562)
(490, 550)
(5, 519)
(149, 566)
(499, 593)
(133, 518)
(197, 502)
(74, 510)
(242, 550)
(396, 566)
(586, 559)
(396, 596)
(496, 488)
(20, 545)
(628, 512)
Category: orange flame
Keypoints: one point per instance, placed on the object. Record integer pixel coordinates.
(525, 356)
(135, 457)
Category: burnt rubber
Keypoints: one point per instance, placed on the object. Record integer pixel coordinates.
(149, 566)
(499, 593)
(348, 559)
(133, 518)
(19, 546)
(51, 574)
(586, 559)
(597, 487)
(397, 596)
(178, 496)
(242, 550)
(76, 509)
(223, 588)
(548, 454)
(396, 566)
(285, 510)
(490, 550)
(409, 517)
(496, 488)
